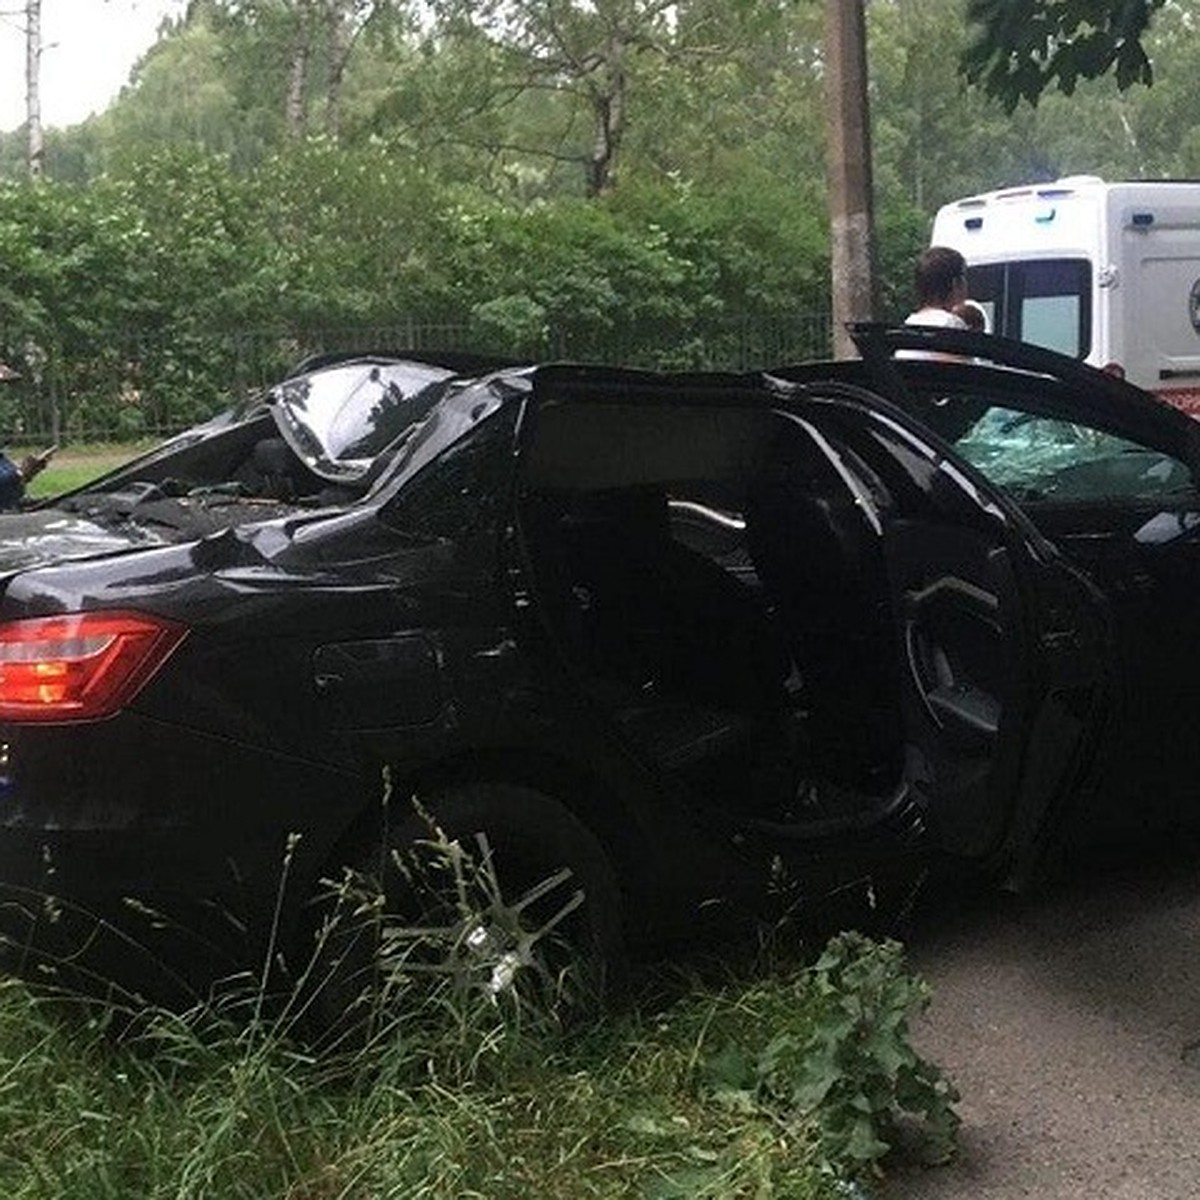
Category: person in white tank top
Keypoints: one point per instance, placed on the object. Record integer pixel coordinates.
(941, 284)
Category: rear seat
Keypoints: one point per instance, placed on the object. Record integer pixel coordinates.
(685, 652)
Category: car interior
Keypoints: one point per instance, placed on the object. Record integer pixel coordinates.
(245, 472)
(713, 585)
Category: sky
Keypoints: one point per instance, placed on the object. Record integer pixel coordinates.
(88, 48)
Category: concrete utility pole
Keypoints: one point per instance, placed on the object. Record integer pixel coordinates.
(35, 154)
(851, 216)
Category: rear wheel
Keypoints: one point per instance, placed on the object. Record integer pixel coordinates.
(481, 897)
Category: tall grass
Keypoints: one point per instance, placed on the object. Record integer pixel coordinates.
(757, 1084)
(196, 1107)
(778, 1083)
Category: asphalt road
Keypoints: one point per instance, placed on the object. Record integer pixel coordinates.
(1070, 1022)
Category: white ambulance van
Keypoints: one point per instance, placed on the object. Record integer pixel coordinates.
(1106, 272)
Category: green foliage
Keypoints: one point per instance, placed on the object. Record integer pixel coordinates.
(159, 293)
(457, 1091)
(936, 138)
(203, 1112)
(212, 1104)
(927, 127)
(722, 96)
(850, 1065)
(192, 246)
(1022, 47)
(571, 81)
(181, 95)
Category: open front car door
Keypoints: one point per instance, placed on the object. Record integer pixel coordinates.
(1110, 476)
(999, 648)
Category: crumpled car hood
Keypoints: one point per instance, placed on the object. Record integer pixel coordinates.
(46, 536)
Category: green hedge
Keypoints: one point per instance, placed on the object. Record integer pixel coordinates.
(143, 302)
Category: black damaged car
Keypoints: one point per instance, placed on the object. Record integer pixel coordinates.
(658, 650)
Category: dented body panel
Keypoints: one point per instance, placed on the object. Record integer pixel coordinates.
(767, 637)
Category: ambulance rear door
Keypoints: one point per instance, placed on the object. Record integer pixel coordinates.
(1159, 265)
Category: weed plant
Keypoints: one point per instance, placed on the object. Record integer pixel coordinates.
(785, 1083)
(637, 1105)
(195, 1109)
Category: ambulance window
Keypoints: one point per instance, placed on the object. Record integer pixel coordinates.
(1054, 305)
(1046, 302)
(986, 286)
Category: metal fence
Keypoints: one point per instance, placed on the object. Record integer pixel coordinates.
(145, 384)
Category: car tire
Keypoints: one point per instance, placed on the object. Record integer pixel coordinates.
(482, 895)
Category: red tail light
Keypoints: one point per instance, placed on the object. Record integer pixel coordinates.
(79, 667)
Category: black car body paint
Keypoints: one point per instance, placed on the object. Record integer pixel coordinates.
(765, 636)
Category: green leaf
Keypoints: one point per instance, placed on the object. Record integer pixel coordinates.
(863, 1145)
(729, 1069)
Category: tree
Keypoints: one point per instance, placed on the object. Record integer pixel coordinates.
(1022, 47)
(298, 49)
(587, 61)
(576, 55)
(1162, 123)
(180, 94)
(752, 115)
(927, 130)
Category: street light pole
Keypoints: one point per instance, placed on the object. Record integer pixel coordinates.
(35, 154)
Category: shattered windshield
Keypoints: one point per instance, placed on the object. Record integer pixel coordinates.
(339, 419)
(1035, 457)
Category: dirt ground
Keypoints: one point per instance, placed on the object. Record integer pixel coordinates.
(1070, 1022)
